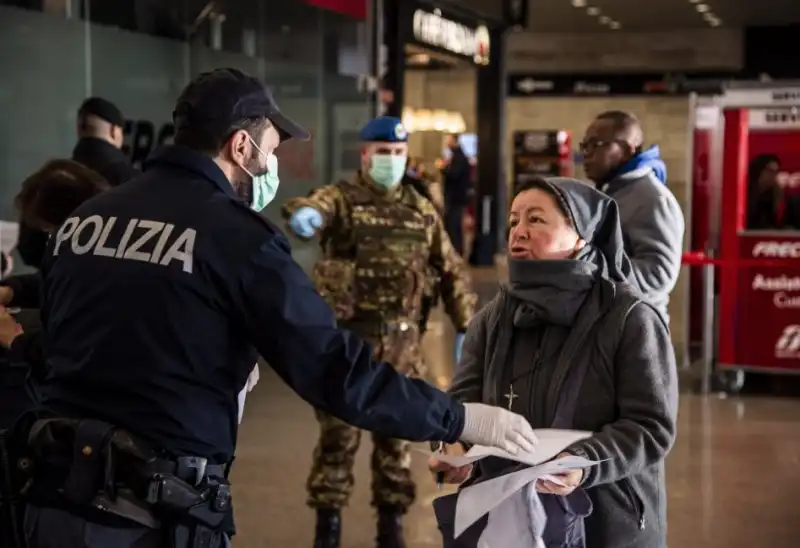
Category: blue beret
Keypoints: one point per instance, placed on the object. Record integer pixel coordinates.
(385, 129)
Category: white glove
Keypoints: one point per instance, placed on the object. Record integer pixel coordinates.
(496, 427)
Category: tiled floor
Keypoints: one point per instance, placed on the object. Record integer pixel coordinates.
(733, 476)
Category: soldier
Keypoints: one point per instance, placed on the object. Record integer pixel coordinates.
(379, 240)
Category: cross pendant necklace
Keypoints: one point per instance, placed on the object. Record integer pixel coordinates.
(510, 396)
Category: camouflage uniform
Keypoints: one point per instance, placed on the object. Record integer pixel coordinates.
(378, 247)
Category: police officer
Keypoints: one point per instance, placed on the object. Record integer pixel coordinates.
(157, 295)
(380, 239)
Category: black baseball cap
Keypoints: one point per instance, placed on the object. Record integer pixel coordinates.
(218, 99)
(103, 109)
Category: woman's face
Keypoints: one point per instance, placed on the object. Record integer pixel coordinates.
(769, 175)
(538, 230)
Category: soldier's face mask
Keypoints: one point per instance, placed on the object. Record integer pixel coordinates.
(264, 181)
(387, 169)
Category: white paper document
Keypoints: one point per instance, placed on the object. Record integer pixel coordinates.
(493, 496)
(552, 441)
(9, 236)
(477, 500)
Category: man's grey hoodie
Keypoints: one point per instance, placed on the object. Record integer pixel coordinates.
(653, 227)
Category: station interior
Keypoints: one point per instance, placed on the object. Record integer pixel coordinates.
(731, 92)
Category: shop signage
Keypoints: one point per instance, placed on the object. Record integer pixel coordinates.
(761, 97)
(774, 118)
(526, 85)
(767, 305)
(433, 29)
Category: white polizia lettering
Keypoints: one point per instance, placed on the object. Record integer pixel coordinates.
(153, 242)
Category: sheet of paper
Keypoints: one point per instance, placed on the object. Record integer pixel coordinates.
(478, 500)
(9, 236)
(551, 442)
(241, 399)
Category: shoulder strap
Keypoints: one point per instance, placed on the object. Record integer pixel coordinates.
(616, 315)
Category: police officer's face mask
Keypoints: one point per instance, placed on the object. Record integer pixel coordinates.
(264, 182)
(387, 169)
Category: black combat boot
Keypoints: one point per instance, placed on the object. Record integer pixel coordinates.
(329, 529)
(390, 529)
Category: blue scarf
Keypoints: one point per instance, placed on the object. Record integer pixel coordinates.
(648, 158)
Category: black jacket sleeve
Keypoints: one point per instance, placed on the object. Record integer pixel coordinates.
(332, 369)
(27, 349)
(27, 290)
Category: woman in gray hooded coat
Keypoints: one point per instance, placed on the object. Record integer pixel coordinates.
(568, 343)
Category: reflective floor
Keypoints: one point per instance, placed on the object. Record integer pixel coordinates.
(733, 480)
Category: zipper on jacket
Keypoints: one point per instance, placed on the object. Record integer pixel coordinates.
(636, 502)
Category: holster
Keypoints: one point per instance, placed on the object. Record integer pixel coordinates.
(91, 467)
(11, 505)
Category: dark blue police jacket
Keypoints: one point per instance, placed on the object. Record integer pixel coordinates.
(157, 296)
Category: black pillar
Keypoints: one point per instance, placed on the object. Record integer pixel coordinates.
(491, 125)
(394, 40)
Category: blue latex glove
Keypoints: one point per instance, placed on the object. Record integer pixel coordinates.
(305, 221)
(459, 344)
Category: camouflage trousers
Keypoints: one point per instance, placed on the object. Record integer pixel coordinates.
(331, 481)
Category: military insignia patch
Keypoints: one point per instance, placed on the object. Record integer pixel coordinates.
(400, 132)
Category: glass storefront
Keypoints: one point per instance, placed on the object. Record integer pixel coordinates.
(139, 54)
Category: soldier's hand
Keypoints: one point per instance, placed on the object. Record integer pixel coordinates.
(496, 427)
(305, 221)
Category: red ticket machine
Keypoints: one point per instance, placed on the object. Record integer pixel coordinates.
(758, 303)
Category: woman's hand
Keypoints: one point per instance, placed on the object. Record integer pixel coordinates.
(452, 474)
(9, 328)
(570, 479)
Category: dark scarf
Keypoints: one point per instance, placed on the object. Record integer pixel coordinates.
(548, 292)
(569, 293)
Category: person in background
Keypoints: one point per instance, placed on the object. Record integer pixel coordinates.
(100, 138)
(44, 202)
(652, 220)
(100, 135)
(769, 206)
(457, 174)
(414, 178)
(380, 240)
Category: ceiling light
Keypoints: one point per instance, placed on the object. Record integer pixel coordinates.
(579, 3)
(593, 11)
(605, 19)
(614, 25)
(702, 8)
(694, 1)
(714, 22)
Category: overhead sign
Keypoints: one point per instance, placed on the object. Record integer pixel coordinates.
(787, 118)
(431, 28)
(760, 97)
(525, 85)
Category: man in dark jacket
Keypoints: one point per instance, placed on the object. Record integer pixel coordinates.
(100, 134)
(457, 185)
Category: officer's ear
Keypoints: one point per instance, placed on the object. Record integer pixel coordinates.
(239, 147)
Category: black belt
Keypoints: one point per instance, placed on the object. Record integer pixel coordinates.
(189, 469)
